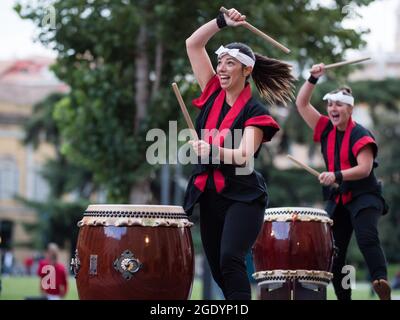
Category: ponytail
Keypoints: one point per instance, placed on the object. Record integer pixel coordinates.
(273, 79)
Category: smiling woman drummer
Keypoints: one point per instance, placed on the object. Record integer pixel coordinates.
(349, 151)
(232, 205)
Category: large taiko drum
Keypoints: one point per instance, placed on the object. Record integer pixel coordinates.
(134, 252)
(294, 243)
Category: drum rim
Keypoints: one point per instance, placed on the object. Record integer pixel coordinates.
(280, 275)
(298, 210)
(306, 214)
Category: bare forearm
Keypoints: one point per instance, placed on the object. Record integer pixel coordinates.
(356, 173)
(304, 107)
(304, 97)
(233, 156)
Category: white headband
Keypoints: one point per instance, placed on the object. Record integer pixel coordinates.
(339, 96)
(235, 53)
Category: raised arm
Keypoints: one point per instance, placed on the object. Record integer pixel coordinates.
(305, 108)
(196, 43)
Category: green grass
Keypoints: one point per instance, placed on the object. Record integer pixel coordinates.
(19, 288)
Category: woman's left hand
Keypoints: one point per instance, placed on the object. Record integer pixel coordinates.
(327, 178)
(201, 148)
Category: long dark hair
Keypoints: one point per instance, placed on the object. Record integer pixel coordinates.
(273, 78)
(345, 89)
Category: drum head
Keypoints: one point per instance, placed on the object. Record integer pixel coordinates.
(297, 214)
(129, 215)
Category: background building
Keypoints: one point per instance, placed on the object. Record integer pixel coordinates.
(23, 83)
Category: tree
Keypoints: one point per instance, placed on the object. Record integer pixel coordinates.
(57, 217)
(388, 134)
(119, 58)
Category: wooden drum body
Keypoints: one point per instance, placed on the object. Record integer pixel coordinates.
(294, 243)
(134, 252)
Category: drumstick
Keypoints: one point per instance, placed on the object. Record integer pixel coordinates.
(260, 33)
(184, 110)
(307, 168)
(342, 63)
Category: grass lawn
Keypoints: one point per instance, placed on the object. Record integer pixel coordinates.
(19, 288)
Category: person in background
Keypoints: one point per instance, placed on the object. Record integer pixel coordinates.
(54, 283)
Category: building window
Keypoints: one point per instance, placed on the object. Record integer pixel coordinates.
(8, 178)
(41, 189)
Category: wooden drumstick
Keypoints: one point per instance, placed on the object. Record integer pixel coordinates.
(309, 169)
(184, 110)
(342, 63)
(260, 33)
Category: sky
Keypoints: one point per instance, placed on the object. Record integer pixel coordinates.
(16, 35)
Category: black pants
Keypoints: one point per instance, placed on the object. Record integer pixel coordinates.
(228, 230)
(365, 226)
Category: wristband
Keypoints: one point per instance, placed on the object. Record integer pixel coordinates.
(221, 22)
(312, 79)
(338, 176)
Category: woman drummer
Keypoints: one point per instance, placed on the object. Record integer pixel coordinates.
(349, 151)
(232, 204)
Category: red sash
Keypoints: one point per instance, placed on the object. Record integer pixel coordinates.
(344, 155)
(217, 137)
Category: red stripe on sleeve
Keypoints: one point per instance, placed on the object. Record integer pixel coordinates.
(264, 120)
(362, 143)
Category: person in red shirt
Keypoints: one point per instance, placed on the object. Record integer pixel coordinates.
(53, 284)
(28, 265)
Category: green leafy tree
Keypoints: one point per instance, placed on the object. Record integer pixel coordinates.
(388, 134)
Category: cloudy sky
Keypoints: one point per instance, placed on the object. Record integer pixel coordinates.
(16, 35)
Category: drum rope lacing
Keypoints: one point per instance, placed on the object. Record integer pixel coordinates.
(307, 276)
(121, 218)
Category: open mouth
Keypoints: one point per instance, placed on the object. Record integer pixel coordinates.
(335, 116)
(224, 78)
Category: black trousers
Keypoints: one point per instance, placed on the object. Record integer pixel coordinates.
(365, 226)
(228, 231)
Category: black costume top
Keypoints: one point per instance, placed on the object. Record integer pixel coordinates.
(216, 114)
(340, 150)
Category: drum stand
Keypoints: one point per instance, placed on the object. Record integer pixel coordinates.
(294, 286)
(291, 290)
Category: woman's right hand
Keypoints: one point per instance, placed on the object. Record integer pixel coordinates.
(234, 18)
(318, 70)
